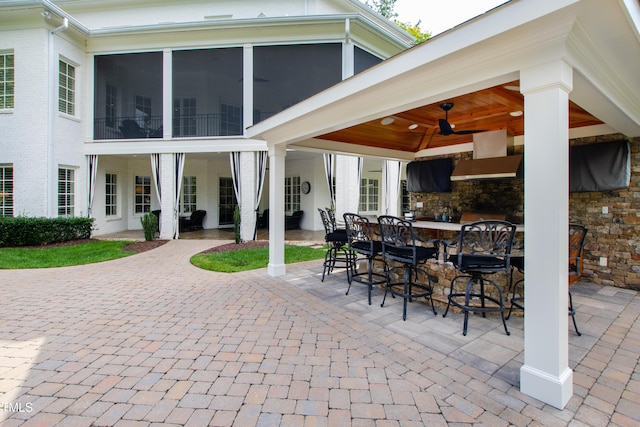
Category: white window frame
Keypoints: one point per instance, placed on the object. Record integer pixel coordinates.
(142, 205)
(7, 81)
(369, 195)
(111, 195)
(66, 191)
(189, 193)
(67, 87)
(6, 190)
(291, 194)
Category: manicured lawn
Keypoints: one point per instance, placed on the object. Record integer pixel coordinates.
(61, 256)
(250, 259)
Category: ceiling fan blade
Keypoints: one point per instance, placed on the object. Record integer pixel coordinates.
(445, 127)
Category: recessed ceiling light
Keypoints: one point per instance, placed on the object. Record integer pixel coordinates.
(512, 87)
(516, 113)
(413, 126)
(387, 121)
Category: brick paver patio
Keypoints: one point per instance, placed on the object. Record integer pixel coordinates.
(152, 340)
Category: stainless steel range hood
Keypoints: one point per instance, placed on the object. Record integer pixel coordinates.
(490, 159)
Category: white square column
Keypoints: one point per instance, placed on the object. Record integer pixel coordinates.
(347, 186)
(545, 374)
(276, 265)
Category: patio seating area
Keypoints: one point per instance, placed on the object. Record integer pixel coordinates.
(151, 339)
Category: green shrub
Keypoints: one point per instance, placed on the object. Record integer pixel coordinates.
(36, 231)
(149, 225)
(236, 224)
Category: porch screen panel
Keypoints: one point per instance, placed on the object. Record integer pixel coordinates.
(128, 96)
(207, 92)
(286, 75)
(364, 60)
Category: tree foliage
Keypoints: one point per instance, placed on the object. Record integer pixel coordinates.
(386, 9)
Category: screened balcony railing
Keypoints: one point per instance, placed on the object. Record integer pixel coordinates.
(197, 125)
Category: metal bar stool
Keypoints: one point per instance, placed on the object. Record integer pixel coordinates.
(484, 247)
(360, 239)
(577, 238)
(338, 255)
(399, 245)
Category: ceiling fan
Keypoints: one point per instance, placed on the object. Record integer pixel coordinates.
(445, 128)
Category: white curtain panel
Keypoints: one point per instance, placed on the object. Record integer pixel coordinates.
(178, 162)
(261, 170)
(329, 170)
(155, 172)
(236, 176)
(92, 161)
(360, 165)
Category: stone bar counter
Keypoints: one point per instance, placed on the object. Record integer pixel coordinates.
(444, 271)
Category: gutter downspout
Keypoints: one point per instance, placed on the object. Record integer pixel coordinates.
(51, 175)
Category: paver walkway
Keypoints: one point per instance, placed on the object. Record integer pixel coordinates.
(152, 340)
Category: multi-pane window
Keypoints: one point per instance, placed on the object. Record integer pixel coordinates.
(110, 105)
(405, 199)
(230, 119)
(66, 88)
(111, 195)
(184, 117)
(7, 81)
(6, 190)
(142, 198)
(369, 195)
(227, 201)
(66, 192)
(189, 194)
(143, 110)
(292, 193)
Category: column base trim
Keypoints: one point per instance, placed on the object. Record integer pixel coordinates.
(555, 391)
(275, 270)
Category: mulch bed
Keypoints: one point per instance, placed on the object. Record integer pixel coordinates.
(250, 244)
(136, 247)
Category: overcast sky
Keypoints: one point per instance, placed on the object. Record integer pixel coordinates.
(437, 16)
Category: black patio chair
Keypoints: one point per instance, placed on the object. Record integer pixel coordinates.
(292, 222)
(400, 245)
(361, 240)
(483, 248)
(194, 222)
(131, 129)
(338, 255)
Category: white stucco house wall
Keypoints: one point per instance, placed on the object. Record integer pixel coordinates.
(161, 78)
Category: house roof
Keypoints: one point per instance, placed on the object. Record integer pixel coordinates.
(470, 65)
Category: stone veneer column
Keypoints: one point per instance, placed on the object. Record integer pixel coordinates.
(546, 374)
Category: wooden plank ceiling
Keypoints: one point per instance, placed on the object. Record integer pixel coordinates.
(485, 110)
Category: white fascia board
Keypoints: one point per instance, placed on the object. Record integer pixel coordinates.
(606, 60)
(323, 145)
(443, 67)
(175, 146)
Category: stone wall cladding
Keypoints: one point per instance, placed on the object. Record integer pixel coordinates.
(613, 236)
